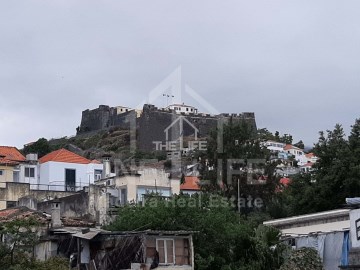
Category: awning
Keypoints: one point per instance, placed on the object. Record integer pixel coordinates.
(89, 235)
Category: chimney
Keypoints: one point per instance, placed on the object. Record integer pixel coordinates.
(107, 166)
(55, 213)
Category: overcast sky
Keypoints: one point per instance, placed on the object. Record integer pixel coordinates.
(296, 64)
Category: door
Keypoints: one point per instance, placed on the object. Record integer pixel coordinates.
(70, 179)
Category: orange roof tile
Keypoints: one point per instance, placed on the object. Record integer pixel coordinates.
(22, 213)
(287, 147)
(10, 155)
(191, 183)
(309, 164)
(64, 155)
(94, 161)
(285, 181)
(310, 155)
(290, 146)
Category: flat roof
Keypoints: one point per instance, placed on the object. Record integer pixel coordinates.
(318, 228)
(308, 217)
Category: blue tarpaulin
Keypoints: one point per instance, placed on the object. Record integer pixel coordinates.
(345, 250)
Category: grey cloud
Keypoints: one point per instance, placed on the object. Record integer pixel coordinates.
(295, 63)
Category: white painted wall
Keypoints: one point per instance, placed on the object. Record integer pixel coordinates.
(299, 155)
(183, 109)
(354, 216)
(34, 181)
(53, 173)
(275, 146)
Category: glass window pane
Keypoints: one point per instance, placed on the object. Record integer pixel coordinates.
(32, 172)
(170, 251)
(161, 251)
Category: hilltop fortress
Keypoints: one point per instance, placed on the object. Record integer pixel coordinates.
(153, 124)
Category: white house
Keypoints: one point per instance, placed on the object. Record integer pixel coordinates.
(28, 171)
(182, 108)
(66, 171)
(275, 146)
(297, 153)
(311, 157)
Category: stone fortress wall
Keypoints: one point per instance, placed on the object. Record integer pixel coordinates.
(151, 123)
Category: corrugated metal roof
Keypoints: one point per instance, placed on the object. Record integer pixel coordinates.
(89, 235)
(308, 217)
(318, 228)
(150, 232)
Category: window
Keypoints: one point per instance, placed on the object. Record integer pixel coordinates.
(97, 174)
(166, 250)
(187, 109)
(10, 204)
(29, 172)
(1, 172)
(357, 226)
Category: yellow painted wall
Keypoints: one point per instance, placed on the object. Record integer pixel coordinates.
(147, 178)
(2, 205)
(8, 174)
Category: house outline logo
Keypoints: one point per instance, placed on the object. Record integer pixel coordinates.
(181, 120)
(173, 85)
(178, 144)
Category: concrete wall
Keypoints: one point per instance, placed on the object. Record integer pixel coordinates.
(92, 205)
(74, 205)
(45, 250)
(14, 191)
(99, 203)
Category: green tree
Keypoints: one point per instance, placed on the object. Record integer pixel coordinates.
(265, 135)
(300, 144)
(336, 174)
(230, 151)
(303, 259)
(40, 147)
(286, 138)
(224, 240)
(21, 234)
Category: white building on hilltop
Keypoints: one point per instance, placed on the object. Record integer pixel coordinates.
(298, 154)
(275, 146)
(182, 108)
